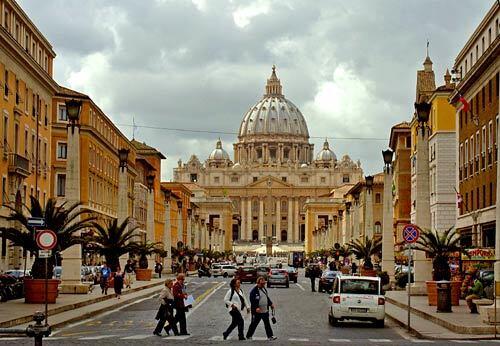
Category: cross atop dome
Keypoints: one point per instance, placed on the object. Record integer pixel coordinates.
(273, 87)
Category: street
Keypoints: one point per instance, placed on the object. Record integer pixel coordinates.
(301, 315)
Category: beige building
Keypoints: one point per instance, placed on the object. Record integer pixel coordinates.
(271, 176)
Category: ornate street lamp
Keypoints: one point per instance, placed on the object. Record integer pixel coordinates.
(347, 207)
(179, 204)
(123, 157)
(168, 194)
(369, 182)
(387, 155)
(423, 110)
(150, 180)
(73, 108)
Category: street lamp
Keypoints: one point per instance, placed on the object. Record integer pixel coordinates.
(168, 194)
(123, 156)
(369, 182)
(150, 180)
(423, 110)
(387, 155)
(73, 108)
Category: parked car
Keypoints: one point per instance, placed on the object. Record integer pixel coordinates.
(326, 281)
(357, 298)
(262, 271)
(216, 269)
(292, 274)
(18, 274)
(228, 270)
(278, 277)
(247, 273)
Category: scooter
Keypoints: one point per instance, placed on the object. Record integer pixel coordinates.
(203, 271)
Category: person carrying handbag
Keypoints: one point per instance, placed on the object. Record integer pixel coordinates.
(236, 302)
(260, 304)
(166, 311)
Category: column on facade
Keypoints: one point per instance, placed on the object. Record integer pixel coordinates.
(355, 220)
(243, 224)
(71, 273)
(387, 237)
(497, 213)
(368, 231)
(203, 236)
(179, 224)
(150, 223)
(278, 219)
(347, 222)
(249, 219)
(189, 232)
(261, 218)
(196, 240)
(289, 219)
(122, 208)
(297, 218)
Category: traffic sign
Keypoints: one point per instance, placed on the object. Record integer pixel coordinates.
(411, 233)
(46, 239)
(36, 222)
(44, 253)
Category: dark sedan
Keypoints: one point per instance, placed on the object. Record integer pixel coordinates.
(326, 281)
(246, 273)
(262, 271)
(292, 274)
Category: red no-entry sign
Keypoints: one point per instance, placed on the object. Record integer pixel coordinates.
(411, 233)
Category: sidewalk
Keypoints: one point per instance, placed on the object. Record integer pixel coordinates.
(72, 307)
(427, 323)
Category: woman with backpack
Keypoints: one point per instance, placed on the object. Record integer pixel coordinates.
(236, 302)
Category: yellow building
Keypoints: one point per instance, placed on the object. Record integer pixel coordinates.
(27, 88)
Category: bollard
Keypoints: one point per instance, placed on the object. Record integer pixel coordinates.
(38, 330)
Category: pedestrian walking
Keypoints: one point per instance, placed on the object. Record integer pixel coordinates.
(354, 268)
(105, 274)
(314, 273)
(236, 302)
(118, 282)
(259, 305)
(179, 292)
(166, 311)
(158, 269)
(129, 274)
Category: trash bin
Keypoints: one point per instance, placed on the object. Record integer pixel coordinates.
(443, 296)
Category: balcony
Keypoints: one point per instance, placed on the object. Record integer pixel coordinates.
(19, 165)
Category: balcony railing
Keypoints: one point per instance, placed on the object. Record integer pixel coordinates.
(19, 165)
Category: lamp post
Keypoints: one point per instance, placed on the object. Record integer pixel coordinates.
(422, 216)
(349, 233)
(71, 273)
(355, 216)
(369, 206)
(122, 207)
(167, 230)
(387, 235)
(150, 223)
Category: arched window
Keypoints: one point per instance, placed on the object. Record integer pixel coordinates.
(255, 235)
(378, 227)
(284, 235)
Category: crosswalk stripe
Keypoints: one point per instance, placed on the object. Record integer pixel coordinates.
(137, 337)
(380, 340)
(299, 339)
(99, 337)
(339, 340)
(177, 337)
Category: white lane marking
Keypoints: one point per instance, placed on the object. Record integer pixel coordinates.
(205, 299)
(339, 340)
(99, 337)
(380, 340)
(302, 288)
(464, 341)
(56, 338)
(11, 338)
(137, 337)
(259, 338)
(104, 314)
(177, 337)
(422, 341)
(299, 339)
(216, 338)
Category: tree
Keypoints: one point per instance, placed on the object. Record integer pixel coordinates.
(64, 219)
(364, 249)
(143, 250)
(439, 246)
(112, 240)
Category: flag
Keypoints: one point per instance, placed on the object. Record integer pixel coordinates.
(459, 199)
(465, 104)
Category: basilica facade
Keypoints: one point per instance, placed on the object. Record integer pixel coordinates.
(272, 176)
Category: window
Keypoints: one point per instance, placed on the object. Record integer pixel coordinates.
(4, 190)
(490, 141)
(6, 84)
(61, 185)
(234, 179)
(377, 198)
(194, 177)
(254, 179)
(62, 150)
(216, 179)
(490, 86)
(408, 142)
(378, 227)
(323, 180)
(62, 116)
(304, 179)
(345, 178)
(283, 179)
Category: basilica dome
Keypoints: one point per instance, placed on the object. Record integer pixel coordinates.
(273, 115)
(218, 154)
(326, 154)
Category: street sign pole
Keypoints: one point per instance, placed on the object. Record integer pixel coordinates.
(411, 233)
(408, 285)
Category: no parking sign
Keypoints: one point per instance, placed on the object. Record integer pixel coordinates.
(411, 233)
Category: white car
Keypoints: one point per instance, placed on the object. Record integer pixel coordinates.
(357, 298)
(225, 270)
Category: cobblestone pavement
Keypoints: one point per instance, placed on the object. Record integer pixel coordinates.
(301, 314)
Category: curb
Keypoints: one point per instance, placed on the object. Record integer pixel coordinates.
(451, 327)
(64, 308)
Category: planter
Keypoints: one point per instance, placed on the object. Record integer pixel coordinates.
(34, 291)
(432, 293)
(143, 274)
(368, 272)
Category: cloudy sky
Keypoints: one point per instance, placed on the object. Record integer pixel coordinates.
(350, 66)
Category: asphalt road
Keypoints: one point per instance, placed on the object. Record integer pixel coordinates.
(301, 314)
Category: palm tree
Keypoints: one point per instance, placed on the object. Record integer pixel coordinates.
(112, 240)
(146, 249)
(64, 219)
(439, 246)
(365, 249)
